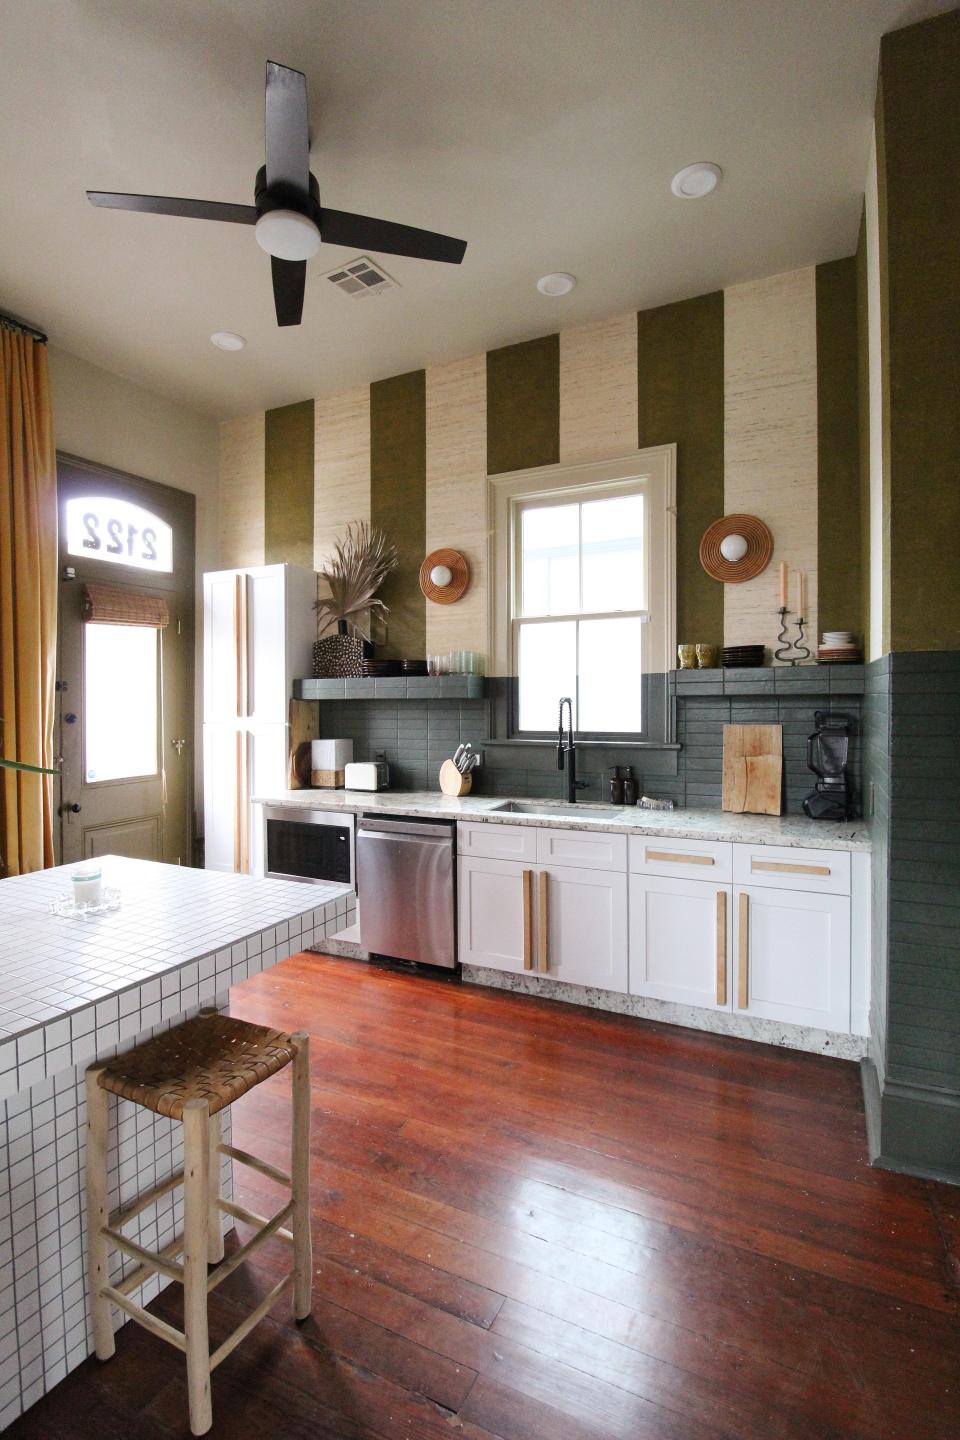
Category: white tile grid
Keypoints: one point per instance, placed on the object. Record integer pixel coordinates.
(71, 989)
(44, 1311)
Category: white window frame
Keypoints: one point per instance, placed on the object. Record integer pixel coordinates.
(653, 471)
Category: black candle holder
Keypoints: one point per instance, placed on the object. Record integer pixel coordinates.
(791, 652)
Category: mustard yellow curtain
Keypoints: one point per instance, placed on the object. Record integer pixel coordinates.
(28, 600)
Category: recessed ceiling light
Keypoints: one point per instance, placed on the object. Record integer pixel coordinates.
(226, 340)
(693, 182)
(559, 283)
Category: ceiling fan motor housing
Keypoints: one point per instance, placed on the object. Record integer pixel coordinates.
(286, 197)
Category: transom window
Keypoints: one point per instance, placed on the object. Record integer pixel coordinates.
(105, 527)
(578, 629)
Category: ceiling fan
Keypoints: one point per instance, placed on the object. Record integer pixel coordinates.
(287, 216)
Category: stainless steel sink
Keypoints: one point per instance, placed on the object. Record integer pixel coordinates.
(547, 808)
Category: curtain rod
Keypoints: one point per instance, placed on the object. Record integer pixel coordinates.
(13, 323)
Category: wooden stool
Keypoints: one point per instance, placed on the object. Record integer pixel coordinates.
(190, 1074)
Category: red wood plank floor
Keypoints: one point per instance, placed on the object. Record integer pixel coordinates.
(533, 1221)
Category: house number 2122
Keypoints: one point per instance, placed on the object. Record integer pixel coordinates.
(121, 539)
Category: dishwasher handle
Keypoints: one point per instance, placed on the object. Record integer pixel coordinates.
(394, 829)
(405, 837)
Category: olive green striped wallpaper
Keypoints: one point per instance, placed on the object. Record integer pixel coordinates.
(398, 501)
(838, 445)
(680, 386)
(756, 385)
(288, 484)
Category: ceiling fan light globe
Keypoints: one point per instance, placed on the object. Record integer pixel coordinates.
(288, 235)
(441, 575)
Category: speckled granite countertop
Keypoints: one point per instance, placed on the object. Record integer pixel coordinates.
(788, 830)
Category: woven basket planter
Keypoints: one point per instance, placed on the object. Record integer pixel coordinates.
(338, 657)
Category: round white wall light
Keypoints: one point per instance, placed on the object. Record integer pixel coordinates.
(226, 340)
(557, 283)
(441, 575)
(287, 234)
(693, 182)
(733, 548)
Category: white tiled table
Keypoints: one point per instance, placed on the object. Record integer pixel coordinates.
(72, 991)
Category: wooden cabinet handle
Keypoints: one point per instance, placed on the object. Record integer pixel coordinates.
(543, 958)
(668, 857)
(237, 802)
(743, 954)
(782, 867)
(528, 919)
(721, 947)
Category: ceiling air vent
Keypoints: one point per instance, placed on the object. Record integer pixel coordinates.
(360, 278)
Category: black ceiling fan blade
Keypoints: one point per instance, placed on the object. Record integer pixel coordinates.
(289, 282)
(172, 205)
(363, 232)
(287, 128)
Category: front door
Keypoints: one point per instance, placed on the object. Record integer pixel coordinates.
(125, 674)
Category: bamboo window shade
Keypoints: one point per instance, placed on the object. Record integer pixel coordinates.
(117, 605)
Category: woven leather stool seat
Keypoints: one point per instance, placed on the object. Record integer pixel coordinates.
(212, 1057)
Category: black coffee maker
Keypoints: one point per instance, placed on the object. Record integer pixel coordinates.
(828, 750)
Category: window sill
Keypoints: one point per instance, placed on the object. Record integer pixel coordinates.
(583, 744)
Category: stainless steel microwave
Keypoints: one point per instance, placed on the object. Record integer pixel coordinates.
(315, 846)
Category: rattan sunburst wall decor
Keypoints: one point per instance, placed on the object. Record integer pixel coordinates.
(736, 548)
(444, 576)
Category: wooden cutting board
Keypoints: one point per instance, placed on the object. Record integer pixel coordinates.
(753, 769)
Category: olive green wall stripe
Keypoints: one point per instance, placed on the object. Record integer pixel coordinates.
(680, 388)
(398, 501)
(523, 405)
(838, 448)
(288, 485)
(920, 69)
(863, 427)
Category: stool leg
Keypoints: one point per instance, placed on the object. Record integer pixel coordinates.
(196, 1202)
(98, 1121)
(300, 1176)
(214, 1219)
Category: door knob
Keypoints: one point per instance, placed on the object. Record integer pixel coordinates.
(70, 719)
(73, 809)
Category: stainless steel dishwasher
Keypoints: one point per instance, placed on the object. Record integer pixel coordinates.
(406, 889)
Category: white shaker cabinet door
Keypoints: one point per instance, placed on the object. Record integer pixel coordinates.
(495, 913)
(792, 956)
(680, 941)
(222, 764)
(268, 691)
(582, 926)
(223, 661)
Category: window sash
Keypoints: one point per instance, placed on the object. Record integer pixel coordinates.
(577, 617)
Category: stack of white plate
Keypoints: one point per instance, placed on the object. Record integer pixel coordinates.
(839, 645)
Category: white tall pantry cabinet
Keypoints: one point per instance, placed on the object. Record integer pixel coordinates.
(258, 632)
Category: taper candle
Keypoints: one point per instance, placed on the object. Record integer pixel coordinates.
(783, 585)
(801, 589)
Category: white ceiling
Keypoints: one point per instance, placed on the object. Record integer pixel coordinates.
(545, 132)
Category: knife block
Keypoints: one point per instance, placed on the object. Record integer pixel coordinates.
(452, 782)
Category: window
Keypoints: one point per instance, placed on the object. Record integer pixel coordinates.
(584, 604)
(120, 701)
(104, 527)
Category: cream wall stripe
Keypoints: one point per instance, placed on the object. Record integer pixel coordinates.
(341, 466)
(241, 491)
(598, 389)
(456, 496)
(770, 415)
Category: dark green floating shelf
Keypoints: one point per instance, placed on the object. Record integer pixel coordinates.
(393, 687)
